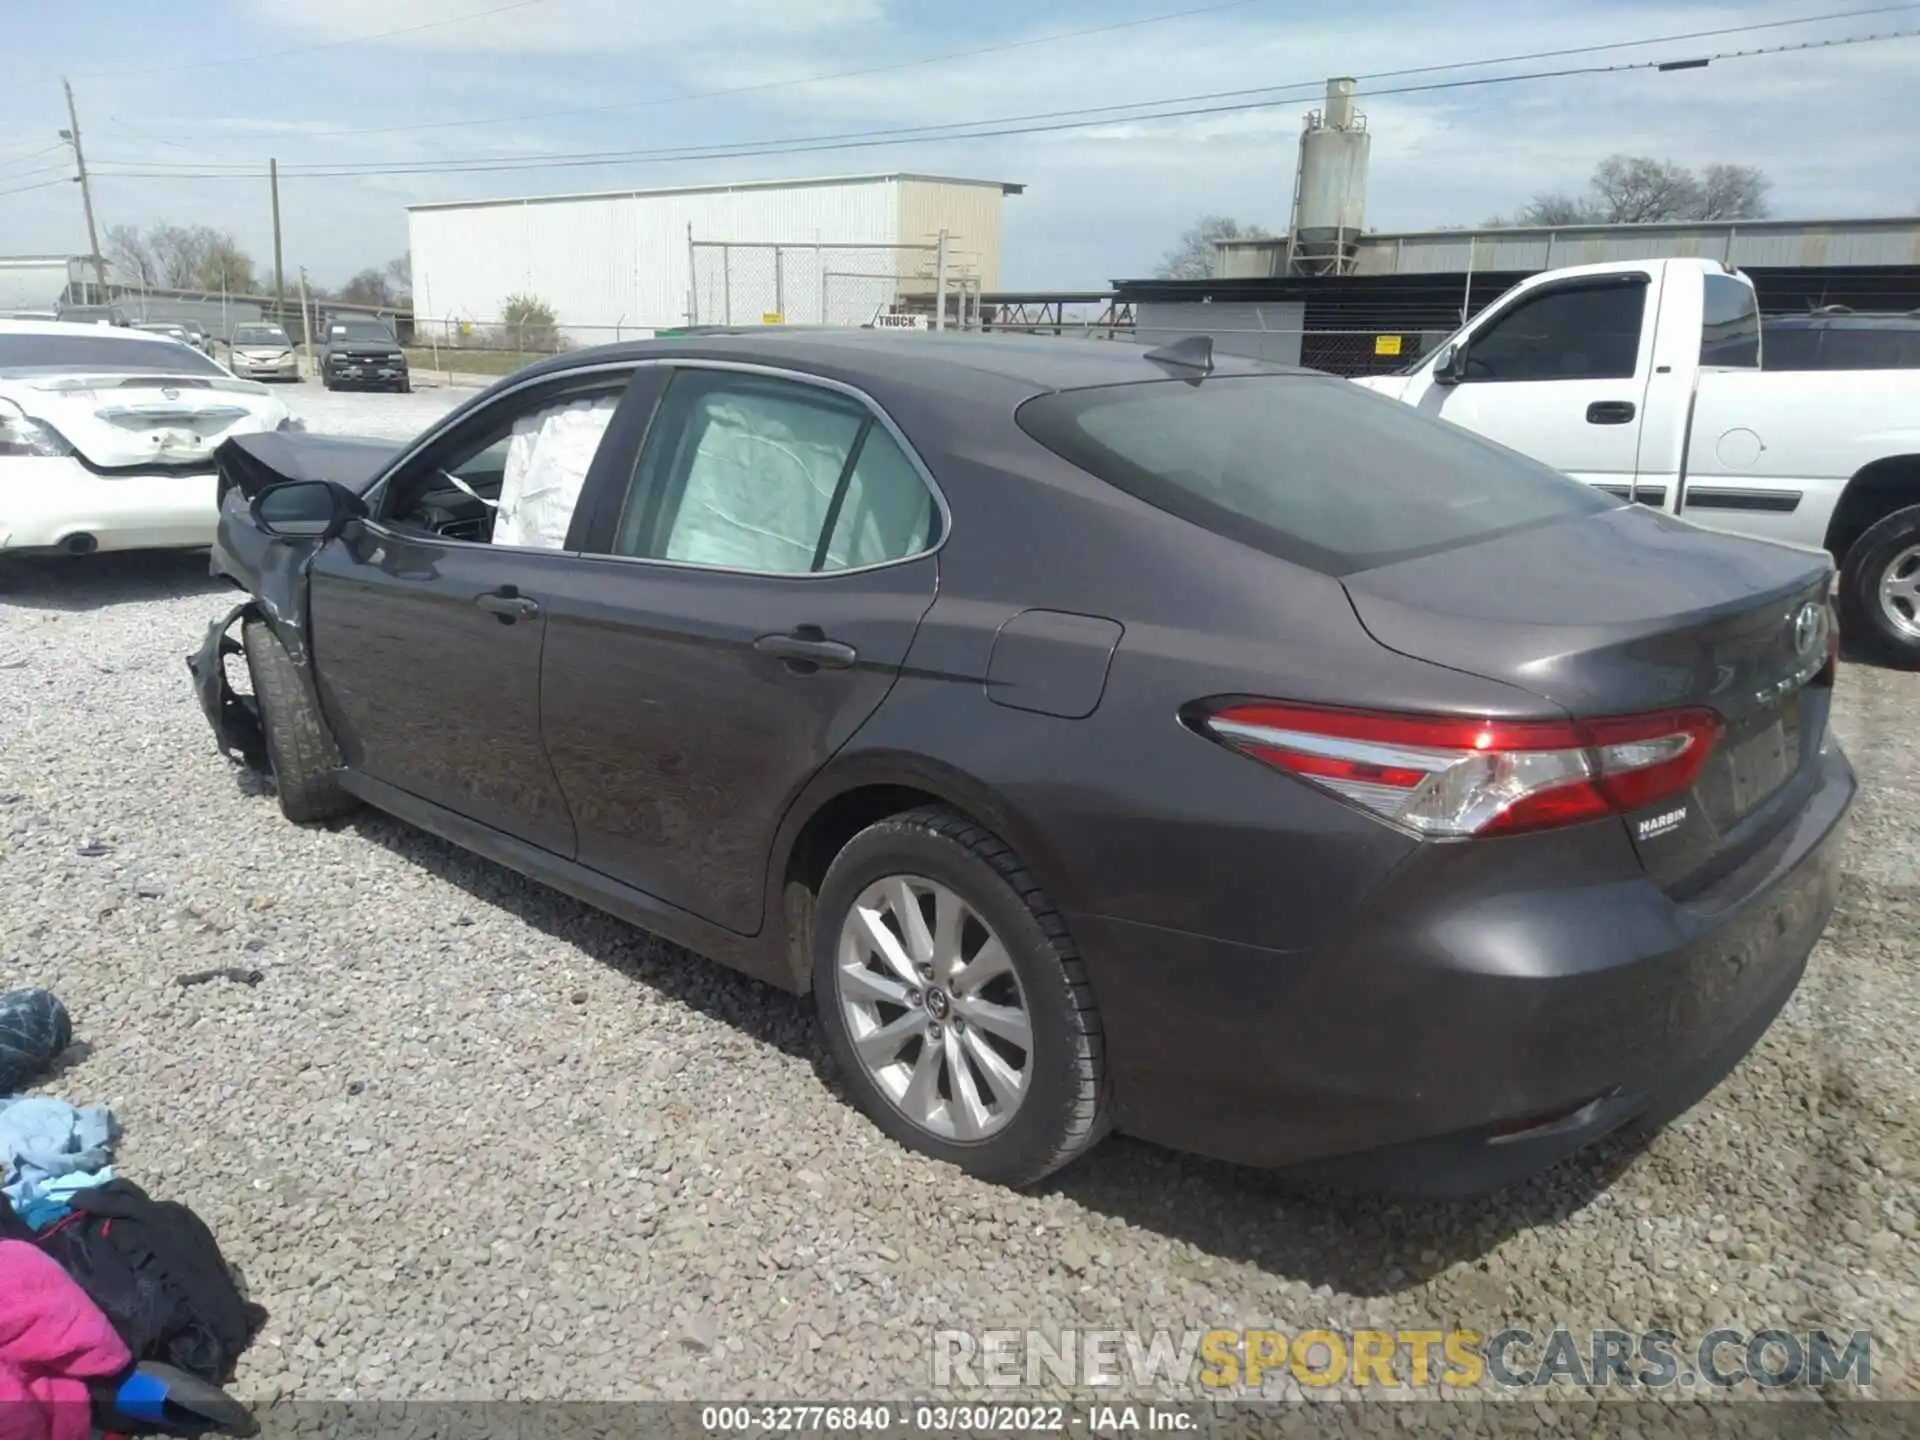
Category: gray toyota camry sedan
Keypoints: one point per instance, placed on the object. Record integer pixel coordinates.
(1104, 737)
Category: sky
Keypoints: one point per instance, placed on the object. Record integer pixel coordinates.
(199, 85)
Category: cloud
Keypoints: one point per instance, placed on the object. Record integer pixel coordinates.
(1832, 127)
(556, 27)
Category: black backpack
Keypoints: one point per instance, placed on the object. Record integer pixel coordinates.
(155, 1272)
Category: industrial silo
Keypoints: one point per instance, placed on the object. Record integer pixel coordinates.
(1329, 186)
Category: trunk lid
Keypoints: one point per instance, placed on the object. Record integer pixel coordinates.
(152, 421)
(1630, 611)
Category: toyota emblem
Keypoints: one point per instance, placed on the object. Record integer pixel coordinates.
(1806, 628)
(170, 393)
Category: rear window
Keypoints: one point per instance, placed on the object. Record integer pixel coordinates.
(1317, 471)
(104, 351)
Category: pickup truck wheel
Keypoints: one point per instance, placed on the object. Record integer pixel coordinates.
(1880, 589)
(300, 748)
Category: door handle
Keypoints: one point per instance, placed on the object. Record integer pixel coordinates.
(807, 649)
(1610, 412)
(507, 605)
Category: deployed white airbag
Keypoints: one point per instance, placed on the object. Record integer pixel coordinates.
(548, 458)
(760, 482)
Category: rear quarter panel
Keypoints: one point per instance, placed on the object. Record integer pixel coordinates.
(1771, 451)
(1125, 811)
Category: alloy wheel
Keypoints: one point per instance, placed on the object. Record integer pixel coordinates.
(933, 1008)
(1900, 592)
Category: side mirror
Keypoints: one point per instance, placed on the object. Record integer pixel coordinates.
(306, 509)
(1447, 367)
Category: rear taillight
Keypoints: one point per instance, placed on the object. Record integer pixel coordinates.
(1444, 776)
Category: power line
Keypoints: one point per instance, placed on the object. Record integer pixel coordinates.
(37, 170)
(1041, 123)
(43, 185)
(784, 84)
(310, 49)
(33, 154)
(1527, 57)
(752, 147)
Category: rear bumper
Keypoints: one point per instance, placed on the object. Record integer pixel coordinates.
(1470, 1028)
(45, 503)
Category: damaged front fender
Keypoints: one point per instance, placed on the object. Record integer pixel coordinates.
(235, 718)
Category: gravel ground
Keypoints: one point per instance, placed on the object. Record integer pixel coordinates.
(469, 1138)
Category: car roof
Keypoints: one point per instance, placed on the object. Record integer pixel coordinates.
(67, 327)
(1844, 322)
(1037, 364)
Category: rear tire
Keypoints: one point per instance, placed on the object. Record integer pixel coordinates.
(300, 748)
(1061, 1106)
(1880, 589)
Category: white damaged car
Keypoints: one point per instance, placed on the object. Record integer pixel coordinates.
(107, 437)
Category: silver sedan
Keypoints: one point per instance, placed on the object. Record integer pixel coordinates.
(262, 352)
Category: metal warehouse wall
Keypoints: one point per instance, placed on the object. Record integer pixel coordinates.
(32, 282)
(1749, 244)
(615, 265)
(970, 214)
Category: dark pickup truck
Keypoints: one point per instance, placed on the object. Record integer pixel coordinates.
(362, 354)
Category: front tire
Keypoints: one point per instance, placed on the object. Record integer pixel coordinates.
(1880, 589)
(954, 1001)
(300, 748)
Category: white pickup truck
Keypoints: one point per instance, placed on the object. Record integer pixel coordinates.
(1644, 379)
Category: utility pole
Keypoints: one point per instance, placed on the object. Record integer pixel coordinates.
(279, 275)
(86, 191)
(940, 284)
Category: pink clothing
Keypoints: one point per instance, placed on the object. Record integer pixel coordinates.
(53, 1340)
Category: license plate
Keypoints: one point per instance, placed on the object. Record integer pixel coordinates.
(1766, 760)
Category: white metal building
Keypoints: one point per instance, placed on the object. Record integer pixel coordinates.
(624, 263)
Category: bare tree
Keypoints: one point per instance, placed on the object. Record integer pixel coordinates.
(225, 266)
(400, 272)
(1554, 208)
(198, 257)
(1637, 190)
(369, 287)
(1732, 192)
(1640, 190)
(127, 248)
(1192, 258)
(176, 251)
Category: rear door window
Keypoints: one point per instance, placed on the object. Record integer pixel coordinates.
(757, 474)
(1317, 471)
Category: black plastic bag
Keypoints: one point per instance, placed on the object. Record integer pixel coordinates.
(34, 1029)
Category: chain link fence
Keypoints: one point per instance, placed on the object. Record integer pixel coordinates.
(746, 283)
